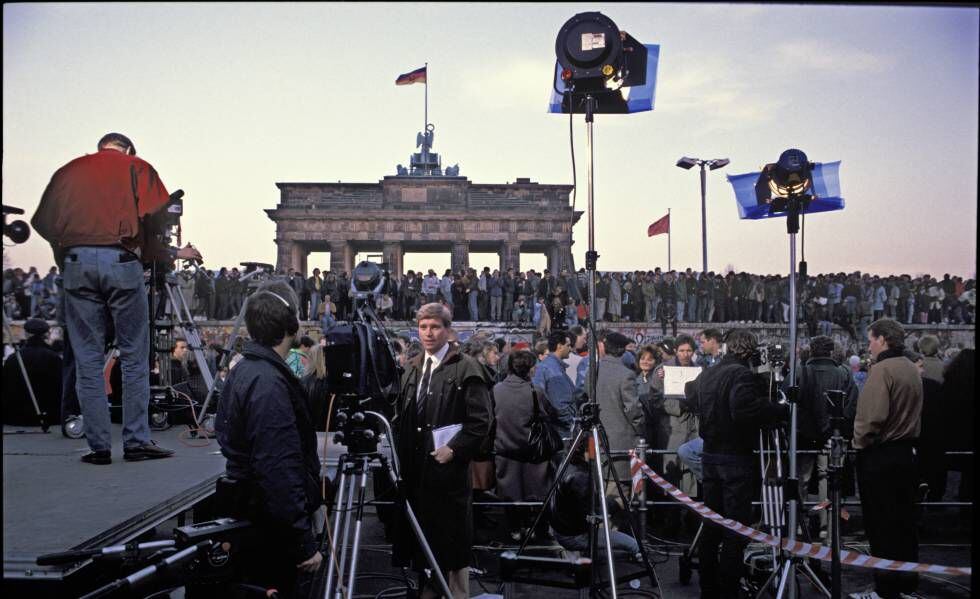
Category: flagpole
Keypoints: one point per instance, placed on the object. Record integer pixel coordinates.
(425, 125)
(668, 240)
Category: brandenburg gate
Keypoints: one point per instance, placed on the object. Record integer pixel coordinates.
(423, 208)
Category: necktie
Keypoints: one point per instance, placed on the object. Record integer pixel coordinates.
(424, 388)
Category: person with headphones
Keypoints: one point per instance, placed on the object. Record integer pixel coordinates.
(267, 436)
(93, 213)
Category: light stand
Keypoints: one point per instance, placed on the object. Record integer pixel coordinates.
(787, 571)
(686, 163)
(588, 425)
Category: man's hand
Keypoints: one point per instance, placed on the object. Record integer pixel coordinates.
(660, 373)
(189, 252)
(311, 565)
(443, 455)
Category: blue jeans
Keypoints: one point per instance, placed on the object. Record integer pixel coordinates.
(474, 309)
(692, 308)
(97, 287)
(690, 454)
(680, 311)
(314, 304)
(620, 542)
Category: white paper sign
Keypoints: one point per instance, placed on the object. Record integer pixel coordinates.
(593, 41)
(444, 434)
(675, 377)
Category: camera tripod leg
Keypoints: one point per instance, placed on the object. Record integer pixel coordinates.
(352, 579)
(629, 520)
(179, 304)
(225, 360)
(765, 586)
(786, 572)
(605, 511)
(814, 579)
(344, 535)
(23, 372)
(579, 438)
(339, 510)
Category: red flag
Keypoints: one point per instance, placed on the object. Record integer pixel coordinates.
(661, 226)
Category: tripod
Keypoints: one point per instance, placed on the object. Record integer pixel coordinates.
(178, 314)
(41, 415)
(353, 468)
(588, 424)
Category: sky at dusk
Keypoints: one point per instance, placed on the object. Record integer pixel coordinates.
(225, 100)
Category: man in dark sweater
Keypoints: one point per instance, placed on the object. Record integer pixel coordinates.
(731, 414)
(266, 434)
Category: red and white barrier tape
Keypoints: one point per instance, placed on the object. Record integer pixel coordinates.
(852, 558)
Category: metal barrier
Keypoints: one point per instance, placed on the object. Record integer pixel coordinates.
(643, 503)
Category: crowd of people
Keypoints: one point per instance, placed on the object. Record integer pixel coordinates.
(551, 374)
(487, 415)
(548, 301)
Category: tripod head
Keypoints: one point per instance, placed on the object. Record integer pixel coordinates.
(361, 428)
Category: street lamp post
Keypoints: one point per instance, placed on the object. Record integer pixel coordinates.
(687, 163)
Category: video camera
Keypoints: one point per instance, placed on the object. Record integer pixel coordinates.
(18, 231)
(364, 373)
(769, 358)
(162, 228)
(257, 273)
(769, 364)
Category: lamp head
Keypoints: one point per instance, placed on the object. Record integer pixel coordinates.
(589, 48)
(791, 174)
(686, 163)
(367, 278)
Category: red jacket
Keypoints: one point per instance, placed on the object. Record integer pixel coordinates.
(99, 199)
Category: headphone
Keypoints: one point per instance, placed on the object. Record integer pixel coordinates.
(293, 325)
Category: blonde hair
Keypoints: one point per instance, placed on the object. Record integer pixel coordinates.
(317, 364)
(437, 311)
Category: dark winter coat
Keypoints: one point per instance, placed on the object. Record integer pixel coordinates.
(813, 411)
(44, 370)
(440, 494)
(518, 481)
(265, 432)
(731, 410)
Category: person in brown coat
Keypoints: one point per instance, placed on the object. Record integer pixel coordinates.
(886, 429)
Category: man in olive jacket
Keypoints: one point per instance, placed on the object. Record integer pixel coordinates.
(440, 387)
(886, 429)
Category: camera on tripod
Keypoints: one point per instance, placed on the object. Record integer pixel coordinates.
(256, 273)
(364, 373)
(165, 224)
(769, 358)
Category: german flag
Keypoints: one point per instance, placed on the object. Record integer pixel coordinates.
(416, 76)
